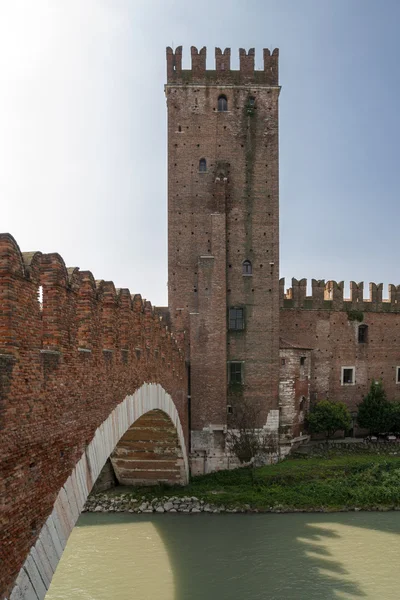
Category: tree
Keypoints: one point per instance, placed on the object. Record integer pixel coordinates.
(375, 411)
(395, 417)
(329, 417)
(246, 438)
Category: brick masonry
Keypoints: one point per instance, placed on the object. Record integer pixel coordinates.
(65, 363)
(327, 324)
(221, 213)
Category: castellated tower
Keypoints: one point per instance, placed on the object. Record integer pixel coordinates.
(223, 239)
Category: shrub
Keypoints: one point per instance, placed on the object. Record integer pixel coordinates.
(329, 417)
(375, 412)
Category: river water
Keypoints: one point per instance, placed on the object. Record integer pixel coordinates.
(231, 557)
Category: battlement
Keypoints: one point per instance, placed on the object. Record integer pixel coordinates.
(330, 296)
(222, 75)
(50, 308)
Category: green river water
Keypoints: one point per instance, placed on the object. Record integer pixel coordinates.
(231, 557)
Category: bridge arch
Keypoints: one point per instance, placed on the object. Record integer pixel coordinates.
(36, 573)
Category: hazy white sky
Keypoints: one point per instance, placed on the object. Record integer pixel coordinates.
(83, 129)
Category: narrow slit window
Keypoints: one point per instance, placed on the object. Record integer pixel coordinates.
(397, 374)
(222, 103)
(302, 361)
(247, 269)
(202, 165)
(40, 297)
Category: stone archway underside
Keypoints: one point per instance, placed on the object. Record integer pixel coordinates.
(35, 575)
(149, 452)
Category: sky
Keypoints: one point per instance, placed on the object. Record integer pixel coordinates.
(83, 130)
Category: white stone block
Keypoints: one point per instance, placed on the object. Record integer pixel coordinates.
(35, 577)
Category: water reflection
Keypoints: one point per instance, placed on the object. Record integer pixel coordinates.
(246, 557)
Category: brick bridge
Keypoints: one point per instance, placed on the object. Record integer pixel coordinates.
(86, 371)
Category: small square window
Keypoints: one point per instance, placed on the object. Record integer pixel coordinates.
(235, 372)
(236, 319)
(348, 375)
(397, 374)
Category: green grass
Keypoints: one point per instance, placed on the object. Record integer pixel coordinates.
(338, 482)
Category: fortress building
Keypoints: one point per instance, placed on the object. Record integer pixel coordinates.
(246, 340)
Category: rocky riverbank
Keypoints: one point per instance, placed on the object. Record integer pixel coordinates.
(173, 504)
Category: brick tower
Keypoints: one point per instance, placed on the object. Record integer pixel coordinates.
(223, 239)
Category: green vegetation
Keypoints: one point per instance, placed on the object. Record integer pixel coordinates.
(376, 413)
(355, 315)
(332, 483)
(329, 417)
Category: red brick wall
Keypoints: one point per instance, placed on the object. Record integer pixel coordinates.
(63, 369)
(241, 146)
(332, 333)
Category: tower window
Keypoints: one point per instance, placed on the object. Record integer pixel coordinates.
(222, 103)
(252, 102)
(302, 361)
(247, 269)
(235, 372)
(397, 374)
(363, 334)
(236, 319)
(202, 165)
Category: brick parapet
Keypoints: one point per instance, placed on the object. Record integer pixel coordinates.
(65, 364)
(330, 296)
(223, 74)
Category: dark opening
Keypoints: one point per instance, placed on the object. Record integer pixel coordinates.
(202, 165)
(222, 103)
(348, 375)
(363, 334)
(302, 361)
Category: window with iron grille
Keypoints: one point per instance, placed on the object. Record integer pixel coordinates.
(235, 372)
(236, 318)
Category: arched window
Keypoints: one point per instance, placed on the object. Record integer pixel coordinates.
(222, 103)
(247, 268)
(202, 165)
(363, 334)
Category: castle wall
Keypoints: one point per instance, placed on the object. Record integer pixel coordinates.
(330, 327)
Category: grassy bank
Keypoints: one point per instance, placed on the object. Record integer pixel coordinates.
(334, 483)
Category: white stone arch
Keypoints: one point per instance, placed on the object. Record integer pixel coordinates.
(36, 573)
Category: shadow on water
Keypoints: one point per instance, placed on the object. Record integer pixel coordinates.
(268, 557)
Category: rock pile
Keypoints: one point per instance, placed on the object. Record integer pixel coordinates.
(174, 504)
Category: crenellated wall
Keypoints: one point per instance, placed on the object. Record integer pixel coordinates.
(66, 361)
(330, 296)
(222, 74)
(328, 324)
